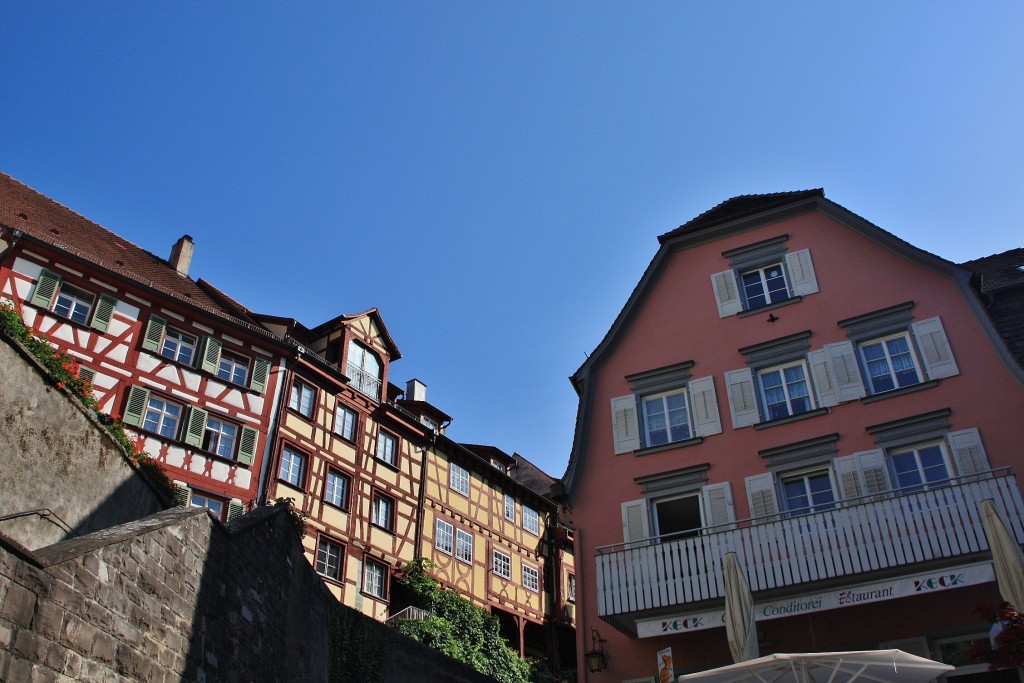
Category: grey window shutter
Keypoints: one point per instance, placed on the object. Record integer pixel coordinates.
(874, 471)
(850, 486)
(235, 509)
(209, 357)
(718, 506)
(104, 312)
(181, 494)
(625, 427)
(46, 288)
(843, 361)
(968, 452)
(742, 400)
(260, 374)
(135, 408)
(247, 445)
(706, 418)
(154, 336)
(824, 383)
(761, 496)
(801, 273)
(634, 520)
(727, 294)
(195, 426)
(938, 357)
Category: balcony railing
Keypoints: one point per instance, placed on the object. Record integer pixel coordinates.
(858, 536)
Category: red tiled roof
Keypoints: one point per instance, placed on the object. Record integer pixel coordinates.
(48, 221)
(740, 207)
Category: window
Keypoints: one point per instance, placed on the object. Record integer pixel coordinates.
(328, 559)
(889, 363)
(510, 508)
(387, 448)
(375, 579)
(531, 522)
(666, 418)
(458, 479)
(384, 511)
(220, 437)
(345, 423)
(364, 370)
(293, 467)
(336, 491)
(501, 564)
(234, 368)
(73, 303)
(919, 467)
(464, 546)
(301, 398)
(531, 579)
(808, 492)
(676, 517)
(763, 286)
(178, 346)
(763, 274)
(784, 391)
(202, 500)
(162, 417)
(443, 536)
(571, 597)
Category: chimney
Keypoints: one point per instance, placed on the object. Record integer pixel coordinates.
(181, 255)
(415, 390)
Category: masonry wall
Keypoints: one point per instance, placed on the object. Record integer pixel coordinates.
(55, 456)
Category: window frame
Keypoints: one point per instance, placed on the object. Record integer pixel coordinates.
(869, 379)
(77, 296)
(531, 520)
(464, 546)
(303, 460)
(337, 576)
(366, 380)
(383, 438)
(533, 583)
(235, 439)
(208, 498)
(805, 475)
(346, 481)
(444, 536)
(384, 576)
(570, 591)
(381, 498)
(193, 346)
(295, 395)
(663, 398)
(506, 564)
(343, 410)
(458, 478)
(785, 387)
(925, 484)
(510, 507)
(160, 423)
(236, 361)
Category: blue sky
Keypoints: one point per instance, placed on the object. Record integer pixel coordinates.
(492, 176)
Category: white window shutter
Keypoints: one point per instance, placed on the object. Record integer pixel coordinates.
(843, 361)
(938, 357)
(727, 294)
(742, 401)
(718, 506)
(706, 418)
(761, 495)
(968, 452)
(801, 273)
(850, 486)
(625, 427)
(634, 520)
(824, 383)
(874, 471)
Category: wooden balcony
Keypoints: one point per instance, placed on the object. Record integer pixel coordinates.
(854, 538)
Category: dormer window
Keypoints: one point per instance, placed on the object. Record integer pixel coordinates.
(364, 370)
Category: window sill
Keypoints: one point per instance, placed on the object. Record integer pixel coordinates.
(331, 580)
(900, 392)
(669, 446)
(292, 411)
(770, 307)
(382, 528)
(387, 464)
(287, 483)
(375, 597)
(333, 506)
(792, 418)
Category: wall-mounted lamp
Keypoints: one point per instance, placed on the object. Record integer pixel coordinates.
(597, 658)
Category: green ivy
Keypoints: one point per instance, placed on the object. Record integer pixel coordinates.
(457, 628)
(65, 374)
(358, 654)
(295, 517)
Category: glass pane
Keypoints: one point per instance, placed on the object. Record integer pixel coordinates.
(753, 288)
(776, 284)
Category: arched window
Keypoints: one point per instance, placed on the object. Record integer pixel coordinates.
(364, 370)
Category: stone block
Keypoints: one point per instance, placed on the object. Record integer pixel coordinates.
(18, 605)
(103, 647)
(77, 634)
(85, 582)
(49, 619)
(14, 668)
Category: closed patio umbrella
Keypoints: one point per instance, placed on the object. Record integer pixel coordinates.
(1006, 556)
(868, 666)
(739, 612)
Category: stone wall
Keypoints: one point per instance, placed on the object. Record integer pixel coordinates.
(56, 457)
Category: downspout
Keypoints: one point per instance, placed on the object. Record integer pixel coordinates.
(422, 496)
(272, 435)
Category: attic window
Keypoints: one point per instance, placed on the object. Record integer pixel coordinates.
(55, 231)
(23, 215)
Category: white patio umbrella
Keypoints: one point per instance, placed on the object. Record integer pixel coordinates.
(739, 612)
(874, 666)
(1006, 556)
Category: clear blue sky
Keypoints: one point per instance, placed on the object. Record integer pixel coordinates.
(492, 176)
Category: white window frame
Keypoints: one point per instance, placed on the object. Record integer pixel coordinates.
(458, 479)
(887, 356)
(383, 506)
(302, 398)
(72, 299)
(444, 537)
(159, 417)
(337, 480)
(464, 546)
(375, 579)
(199, 499)
(365, 370)
(501, 564)
(531, 578)
(805, 475)
(233, 368)
(324, 555)
(785, 387)
(345, 421)
(663, 399)
(510, 508)
(761, 272)
(387, 448)
(179, 342)
(531, 521)
(925, 484)
(570, 594)
(292, 469)
(220, 436)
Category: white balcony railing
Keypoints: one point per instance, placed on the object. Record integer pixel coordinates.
(857, 537)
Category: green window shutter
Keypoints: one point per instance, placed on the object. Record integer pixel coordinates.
(181, 494)
(104, 312)
(46, 287)
(195, 426)
(135, 408)
(247, 446)
(235, 508)
(154, 333)
(260, 374)
(209, 357)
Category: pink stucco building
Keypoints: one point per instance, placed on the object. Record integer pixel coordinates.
(795, 384)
